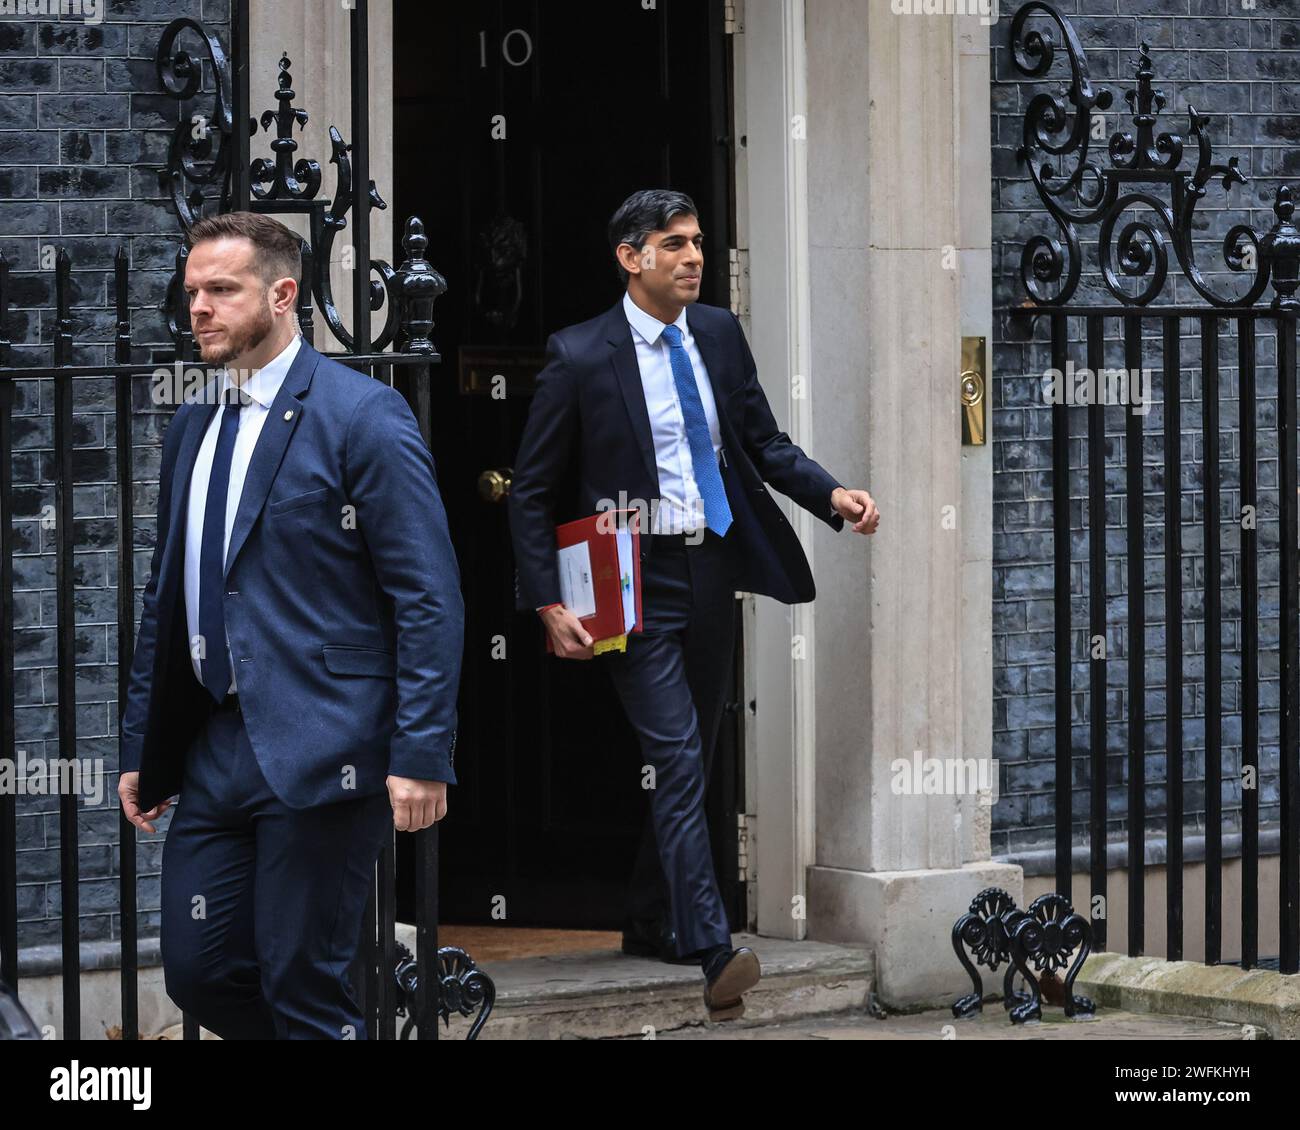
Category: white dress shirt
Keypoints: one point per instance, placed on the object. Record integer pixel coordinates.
(681, 507)
(261, 387)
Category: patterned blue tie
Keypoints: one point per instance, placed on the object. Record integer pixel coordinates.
(717, 511)
(212, 558)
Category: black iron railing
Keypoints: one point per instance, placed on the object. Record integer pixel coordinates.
(210, 169)
(1144, 173)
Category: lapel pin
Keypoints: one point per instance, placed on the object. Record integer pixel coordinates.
(289, 415)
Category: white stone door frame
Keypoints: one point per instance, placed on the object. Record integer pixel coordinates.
(864, 186)
(772, 225)
(317, 39)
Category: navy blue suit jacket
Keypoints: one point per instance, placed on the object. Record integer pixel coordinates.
(588, 438)
(342, 605)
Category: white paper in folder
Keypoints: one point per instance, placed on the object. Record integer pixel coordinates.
(577, 587)
(625, 565)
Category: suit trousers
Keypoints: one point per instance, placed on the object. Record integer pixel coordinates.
(262, 904)
(672, 681)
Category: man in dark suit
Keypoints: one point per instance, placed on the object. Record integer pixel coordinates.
(656, 404)
(298, 658)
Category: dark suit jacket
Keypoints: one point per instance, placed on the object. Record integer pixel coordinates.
(588, 440)
(346, 626)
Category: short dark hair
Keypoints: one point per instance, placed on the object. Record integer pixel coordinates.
(643, 213)
(278, 249)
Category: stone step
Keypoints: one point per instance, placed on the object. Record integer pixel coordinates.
(607, 994)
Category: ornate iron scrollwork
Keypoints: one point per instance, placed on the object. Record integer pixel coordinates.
(1047, 935)
(278, 185)
(997, 931)
(984, 930)
(462, 988)
(286, 181)
(192, 163)
(1138, 158)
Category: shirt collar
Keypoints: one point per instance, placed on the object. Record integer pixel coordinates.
(264, 383)
(647, 325)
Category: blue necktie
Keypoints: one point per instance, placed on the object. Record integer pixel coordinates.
(212, 559)
(717, 511)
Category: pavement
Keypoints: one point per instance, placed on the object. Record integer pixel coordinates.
(992, 1024)
(938, 1024)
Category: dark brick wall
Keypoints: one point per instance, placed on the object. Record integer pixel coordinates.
(83, 128)
(1240, 66)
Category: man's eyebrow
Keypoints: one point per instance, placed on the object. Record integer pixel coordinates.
(218, 279)
(679, 235)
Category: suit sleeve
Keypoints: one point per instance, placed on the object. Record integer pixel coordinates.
(778, 460)
(135, 715)
(544, 453)
(391, 480)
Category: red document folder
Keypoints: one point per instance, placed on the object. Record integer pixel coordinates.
(596, 581)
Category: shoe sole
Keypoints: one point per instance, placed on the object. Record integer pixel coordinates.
(724, 996)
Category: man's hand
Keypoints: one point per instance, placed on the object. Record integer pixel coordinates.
(416, 803)
(568, 636)
(858, 507)
(128, 792)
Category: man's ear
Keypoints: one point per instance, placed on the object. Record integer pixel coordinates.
(284, 295)
(629, 258)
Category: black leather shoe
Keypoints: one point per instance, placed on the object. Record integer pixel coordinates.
(724, 991)
(654, 939)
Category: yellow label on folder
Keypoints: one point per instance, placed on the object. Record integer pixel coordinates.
(614, 643)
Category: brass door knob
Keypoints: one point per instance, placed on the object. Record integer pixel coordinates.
(494, 485)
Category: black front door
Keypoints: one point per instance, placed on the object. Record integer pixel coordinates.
(519, 128)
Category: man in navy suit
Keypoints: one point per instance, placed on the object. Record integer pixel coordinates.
(656, 404)
(298, 658)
